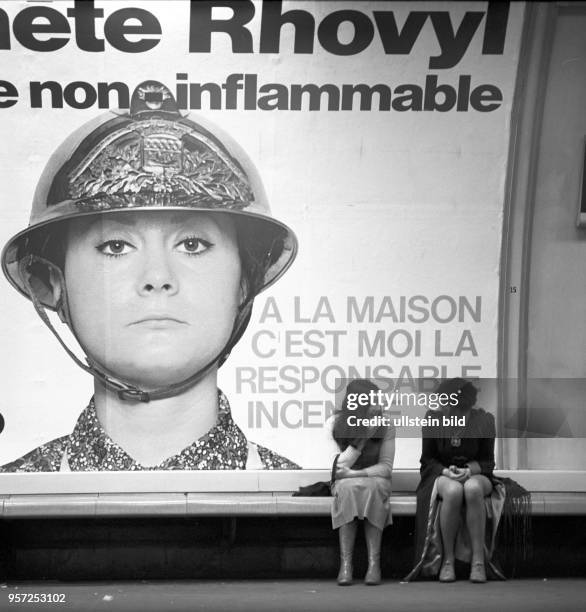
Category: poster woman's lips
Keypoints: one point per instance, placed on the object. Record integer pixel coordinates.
(158, 321)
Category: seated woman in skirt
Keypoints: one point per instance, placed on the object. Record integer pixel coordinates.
(362, 485)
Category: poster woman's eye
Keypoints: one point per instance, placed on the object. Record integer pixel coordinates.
(193, 246)
(115, 248)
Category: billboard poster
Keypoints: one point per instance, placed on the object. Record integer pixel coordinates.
(262, 198)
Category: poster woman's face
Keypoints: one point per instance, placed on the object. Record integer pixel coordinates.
(153, 295)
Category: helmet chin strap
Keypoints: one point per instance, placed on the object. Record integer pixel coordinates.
(125, 390)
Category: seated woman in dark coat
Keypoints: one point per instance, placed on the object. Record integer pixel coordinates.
(457, 463)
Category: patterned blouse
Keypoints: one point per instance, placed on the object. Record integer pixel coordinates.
(89, 448)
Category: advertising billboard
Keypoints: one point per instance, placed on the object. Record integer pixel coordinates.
(238, 206)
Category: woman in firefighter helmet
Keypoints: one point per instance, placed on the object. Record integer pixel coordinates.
(150, 236)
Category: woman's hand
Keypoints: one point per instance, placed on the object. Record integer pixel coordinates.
(461, 474)
(345, 472)
(457, 474)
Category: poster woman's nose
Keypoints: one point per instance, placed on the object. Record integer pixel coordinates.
(158, 275)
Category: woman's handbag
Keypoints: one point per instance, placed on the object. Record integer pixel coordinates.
(321, 488)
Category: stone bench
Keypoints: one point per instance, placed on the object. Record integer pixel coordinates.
(234, 493)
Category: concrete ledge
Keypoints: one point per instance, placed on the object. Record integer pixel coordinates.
(41, 506)
(258, 493)
(141, 504)
(303, 506)
(564, 503)
(229, 504)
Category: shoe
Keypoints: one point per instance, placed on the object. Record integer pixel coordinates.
(477, 572)
(447, 572)
(345, 573)
(373, 536)
(373, 576)
(347, 535)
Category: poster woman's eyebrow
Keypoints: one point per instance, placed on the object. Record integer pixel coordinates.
(125, 220)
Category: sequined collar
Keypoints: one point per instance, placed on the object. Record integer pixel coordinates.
(223, 447)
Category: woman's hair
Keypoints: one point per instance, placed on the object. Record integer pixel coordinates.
(344, 433)
(466, 391)
(259, 249)
(49, 245)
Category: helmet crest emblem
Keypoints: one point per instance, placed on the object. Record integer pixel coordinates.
(153, 95)
(158, 163)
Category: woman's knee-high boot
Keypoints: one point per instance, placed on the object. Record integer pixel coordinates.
(347, 535)
(373, 536)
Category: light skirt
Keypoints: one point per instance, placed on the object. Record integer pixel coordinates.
(363, 498)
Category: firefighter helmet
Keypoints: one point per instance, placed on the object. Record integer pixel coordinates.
(149, 158)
